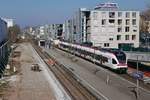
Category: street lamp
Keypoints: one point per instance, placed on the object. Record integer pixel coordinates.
(139, 76)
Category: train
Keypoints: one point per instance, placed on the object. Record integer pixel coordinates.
(112, 59)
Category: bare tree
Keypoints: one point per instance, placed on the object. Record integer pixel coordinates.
(144, 21)
(13, 33)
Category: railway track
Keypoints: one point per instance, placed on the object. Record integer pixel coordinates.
(74, 88)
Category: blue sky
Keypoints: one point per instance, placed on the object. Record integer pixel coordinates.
(36, 12)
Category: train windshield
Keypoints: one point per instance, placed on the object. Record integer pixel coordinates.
(121, 56)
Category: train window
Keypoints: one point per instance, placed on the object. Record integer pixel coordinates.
(93, 55)
(97, 57)
(105, 59)
(82, 51)
(121, 57)
(86, 52)
(114, 61)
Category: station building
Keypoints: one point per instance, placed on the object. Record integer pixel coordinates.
(106, 26)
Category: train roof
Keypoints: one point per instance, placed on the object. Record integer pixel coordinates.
(97, 50)
(111, 50)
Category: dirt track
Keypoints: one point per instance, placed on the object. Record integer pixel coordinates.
(28, 84)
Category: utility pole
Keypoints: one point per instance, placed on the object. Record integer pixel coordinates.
(137, 80)
(94, 53)
(94, 57)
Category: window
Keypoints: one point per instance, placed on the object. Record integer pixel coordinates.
(111, 21)
(103, 21)
(95, 15)
(106, 44)
(118, 37)
(104, 59)
(133, 37)
(127, 14)
(133, 21)
(114, 61)
(126, 37)
(134, 30)
(119, 29)
(119, 14)
(97, 57)
(119, 21)
(111, 14)
(127, 29)
(127, 22)
(134, 14)
(111, 39)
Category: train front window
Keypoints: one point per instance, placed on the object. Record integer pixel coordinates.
(121, 57)
(114, 61)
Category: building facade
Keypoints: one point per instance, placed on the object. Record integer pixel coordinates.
(56, 31)
(10, 22)
(106, 26)
(68, 30)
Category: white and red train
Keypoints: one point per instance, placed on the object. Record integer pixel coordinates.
(112, 59)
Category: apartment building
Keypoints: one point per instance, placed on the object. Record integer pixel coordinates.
(55, 31)
(106, 26)
(10, 22)
(68, 30)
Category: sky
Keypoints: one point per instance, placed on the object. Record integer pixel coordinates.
(39, 12)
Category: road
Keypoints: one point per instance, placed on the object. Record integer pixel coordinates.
(110, 85)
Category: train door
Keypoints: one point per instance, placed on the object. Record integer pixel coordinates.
(105, 61)
(109, 62)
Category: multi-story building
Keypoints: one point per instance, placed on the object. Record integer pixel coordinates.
(68, 30)
(106, 26)
(56, 31)
(10, 22)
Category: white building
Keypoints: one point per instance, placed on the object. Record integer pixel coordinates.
(106, 26)
(56, 31)
(10, 22)
(68, 30)
(41, 30)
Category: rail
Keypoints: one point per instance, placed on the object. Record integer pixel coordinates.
(73, 87)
